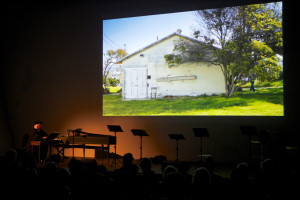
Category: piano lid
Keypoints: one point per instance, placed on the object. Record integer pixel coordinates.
(85, 134)
(89, 139)
(79, 132)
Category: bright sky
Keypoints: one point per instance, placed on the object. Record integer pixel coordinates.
(138, 32)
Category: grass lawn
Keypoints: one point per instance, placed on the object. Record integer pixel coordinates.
(278, 83)
(266, 102)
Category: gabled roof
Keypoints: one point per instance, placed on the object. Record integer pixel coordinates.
(157, 42)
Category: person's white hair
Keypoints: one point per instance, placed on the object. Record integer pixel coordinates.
(201, 174)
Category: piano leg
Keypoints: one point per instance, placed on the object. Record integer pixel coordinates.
(102, 153)
(83, 148)
(108, 155)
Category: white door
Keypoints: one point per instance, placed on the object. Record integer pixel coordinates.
(135, 83)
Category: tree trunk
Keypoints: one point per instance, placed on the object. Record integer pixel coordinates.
(229, 87)
(231, 91)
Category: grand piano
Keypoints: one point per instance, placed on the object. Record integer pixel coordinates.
(79, 139)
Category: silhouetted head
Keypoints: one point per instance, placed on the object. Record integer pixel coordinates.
(201, 176)
(127, 159)
(145, 164)
(239, 175)
(209, 163)
(169, 169)
(11, 155)
(267, 166)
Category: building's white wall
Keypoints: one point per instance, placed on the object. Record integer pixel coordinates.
(210, 79)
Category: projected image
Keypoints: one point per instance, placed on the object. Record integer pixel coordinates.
(222, 62)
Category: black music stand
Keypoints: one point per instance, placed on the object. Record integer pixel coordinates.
(201, 132)
(141, 133)
(115, 129)
(77, 131)
(177, 137)
(249, 130)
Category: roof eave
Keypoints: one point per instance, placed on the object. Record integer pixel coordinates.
(157, 42)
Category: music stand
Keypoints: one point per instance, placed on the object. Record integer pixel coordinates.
(201, 132)
(52, 136)
(115, 129)
(141, 133)
(263, 136)
(249, 130)
(77, 131)
(177, 137)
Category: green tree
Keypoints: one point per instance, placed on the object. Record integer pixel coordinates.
(113, 82)
(243, 41)
(109, 60)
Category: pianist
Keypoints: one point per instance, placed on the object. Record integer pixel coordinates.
(38, 134)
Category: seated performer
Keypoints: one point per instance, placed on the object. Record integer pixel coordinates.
(38, 134)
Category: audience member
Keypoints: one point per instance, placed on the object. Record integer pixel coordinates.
(201, 184)
(87, 179)
(240, 182)
(169, 169)
(183, 168)
(146, 165)
(209, 164)
(128, 168)
(239, 175)
(10, 167)
(125, 177)
(202, 177)
(147, 172)
(269, 183)
(174, 186)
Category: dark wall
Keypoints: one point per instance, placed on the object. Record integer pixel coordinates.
(51, 72)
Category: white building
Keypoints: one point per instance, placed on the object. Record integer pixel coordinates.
(114, 72)
(145, 74)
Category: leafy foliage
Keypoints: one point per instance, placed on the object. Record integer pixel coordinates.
(242, 40)
(172, 59)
